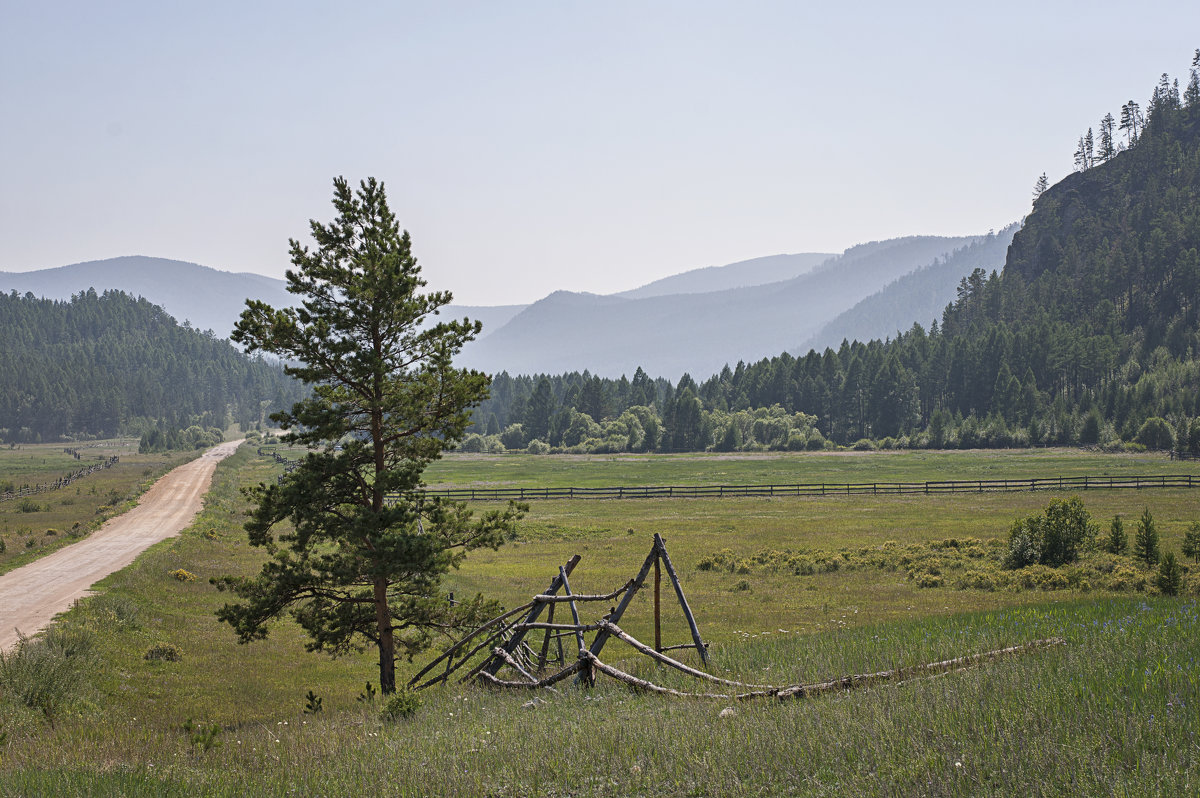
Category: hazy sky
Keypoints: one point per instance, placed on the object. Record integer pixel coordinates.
(530, 146)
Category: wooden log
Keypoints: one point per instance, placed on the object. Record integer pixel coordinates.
(549, 681)
(661, 545)
(615, 616)
(657, 604)
(450, 651)
(574, 610)
(504, 655)
(583, 596)
(800, 691)
(621, 634)
(545, 643)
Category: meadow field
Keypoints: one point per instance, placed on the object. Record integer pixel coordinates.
(36, 525)
(785, 591)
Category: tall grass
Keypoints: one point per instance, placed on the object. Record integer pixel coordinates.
(1113, 712)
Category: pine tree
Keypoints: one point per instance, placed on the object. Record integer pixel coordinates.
(1039, 188)
(365, 549)
(1145, 543)
(1118, 540)
(1170, 575)
(1107, 148)
(1191, 541)
(1131, 121)
(1191, 95)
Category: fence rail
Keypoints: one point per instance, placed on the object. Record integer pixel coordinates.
(1087, 482)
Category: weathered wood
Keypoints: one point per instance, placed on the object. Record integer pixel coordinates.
(661, 546)
(514, 664)
(450, 651)
(582, 596)
(657, 604)
(678, 646)
(615, 616)
(549, 681)
(621, 634)
(556, 583)
(800, 691)
(546, 642)
(574, 611)
(560, 627)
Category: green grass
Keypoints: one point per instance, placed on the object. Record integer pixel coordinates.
(782, 468)
(1111, 713)
(59, 517)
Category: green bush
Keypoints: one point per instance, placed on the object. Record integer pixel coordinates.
(163, 652)
(401, 704)
(48, 673)
(1053, 538)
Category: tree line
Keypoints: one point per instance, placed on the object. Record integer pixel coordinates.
(1089, 336)
(101, 365)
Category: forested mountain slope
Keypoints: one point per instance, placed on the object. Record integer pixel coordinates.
(107, 364)
(918, 297)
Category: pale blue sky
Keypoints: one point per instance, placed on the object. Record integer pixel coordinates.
(540, 145)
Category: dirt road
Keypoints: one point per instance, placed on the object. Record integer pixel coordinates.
(33, 594)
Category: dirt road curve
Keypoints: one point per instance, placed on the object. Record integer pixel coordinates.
(32, 595)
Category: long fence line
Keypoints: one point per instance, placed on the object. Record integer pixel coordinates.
(822, 489)
(928, 488)
(61, 482)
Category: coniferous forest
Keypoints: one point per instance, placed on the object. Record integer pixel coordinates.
(1089, 336)
(107, 364)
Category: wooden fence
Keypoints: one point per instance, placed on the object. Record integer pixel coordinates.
(61, 482)
(1076, 483)
(823, 489)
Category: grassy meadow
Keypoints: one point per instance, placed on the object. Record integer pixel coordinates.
(36, 525)
(1112, 712)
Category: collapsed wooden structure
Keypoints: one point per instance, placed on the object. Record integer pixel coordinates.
(501, 643)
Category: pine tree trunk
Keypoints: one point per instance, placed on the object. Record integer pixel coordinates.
(387, 647)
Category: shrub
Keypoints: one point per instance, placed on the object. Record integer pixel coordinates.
(538, 447)
(182, 575)
(48, 673)
(1053, 538)
(977, 580)
(29, 506)
(402, 704)
(163, 652)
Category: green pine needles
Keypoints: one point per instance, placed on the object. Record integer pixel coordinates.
(386, 401)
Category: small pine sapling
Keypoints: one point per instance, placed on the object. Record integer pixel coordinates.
(1118, 539)
(1170, 575)
(1145, 544)
(1191, 541)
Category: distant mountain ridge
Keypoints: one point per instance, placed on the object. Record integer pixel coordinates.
(695, 333)
(667, 334)
(756, 271)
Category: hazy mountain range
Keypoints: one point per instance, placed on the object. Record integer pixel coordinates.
(694, 322)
